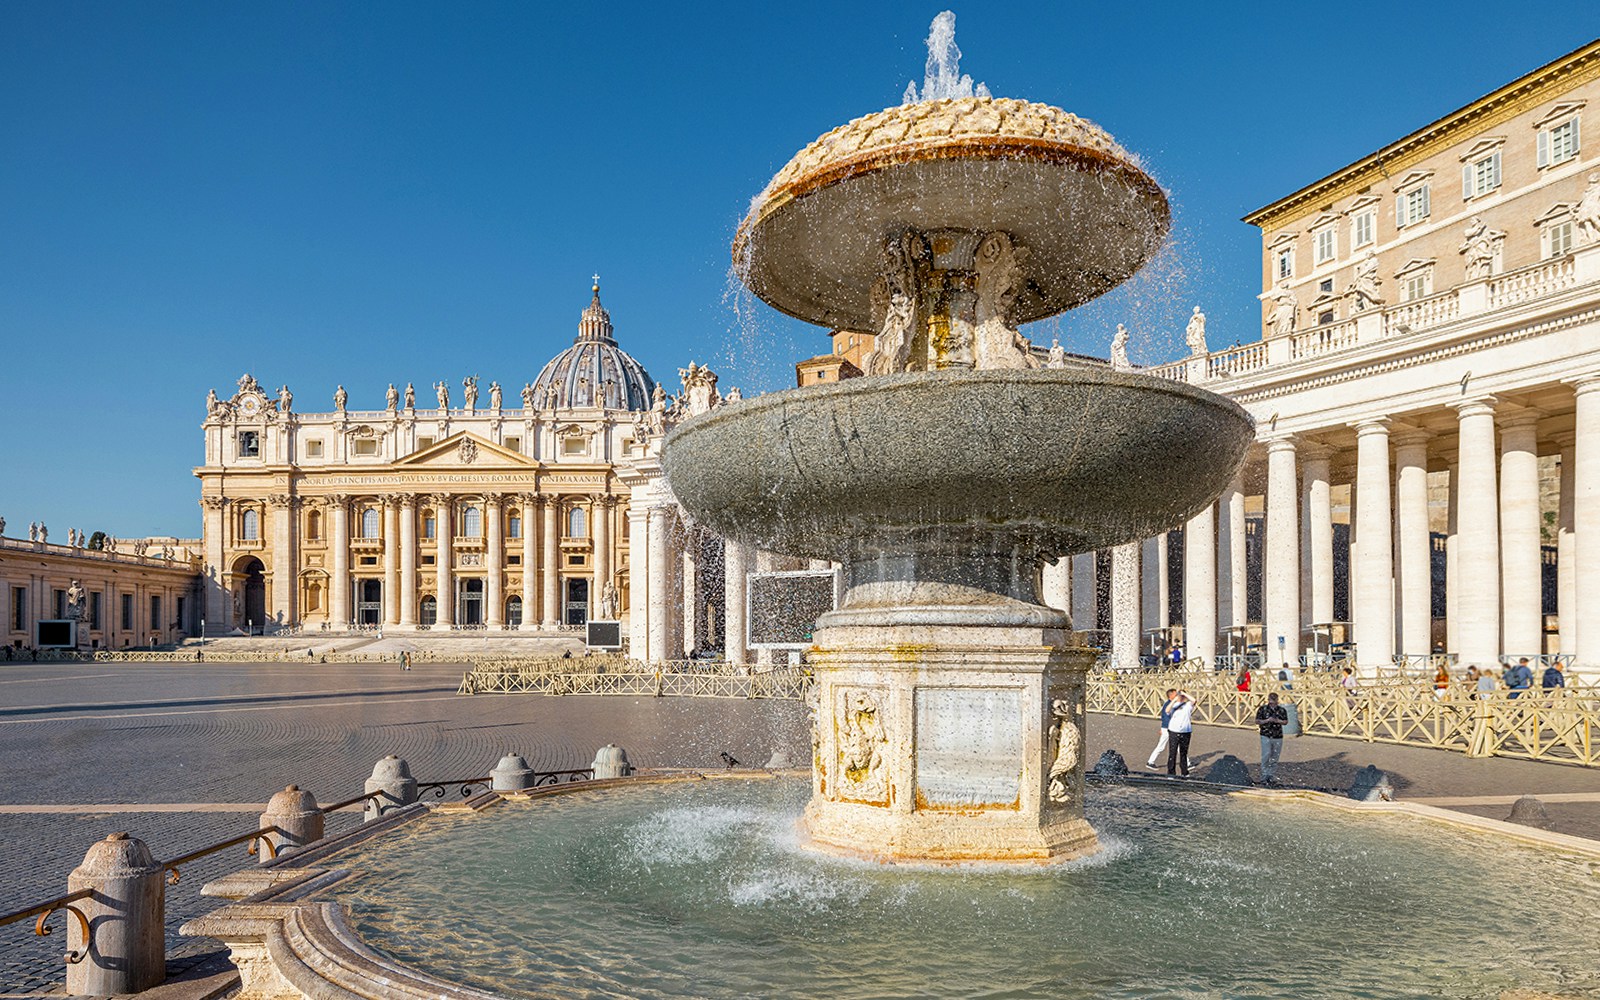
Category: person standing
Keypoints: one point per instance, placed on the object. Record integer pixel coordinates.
(1166, 716)
(1180, 729)
(1485, 682)
(1270, 719)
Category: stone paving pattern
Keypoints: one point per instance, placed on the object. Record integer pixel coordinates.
(145, 734)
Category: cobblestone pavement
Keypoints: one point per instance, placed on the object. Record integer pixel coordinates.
(127, 735)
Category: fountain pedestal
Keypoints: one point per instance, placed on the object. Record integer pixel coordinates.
(948, 735)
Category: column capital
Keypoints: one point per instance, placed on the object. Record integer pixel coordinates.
(1518, 419)
(1281, 443)
(392, 500)
(336, 500)
(1373, 425)
(214, 503)
(441, 499)
(528, 499)
(1315, 451)
(1585, 383)
(1475, 406)
(281, 500)
(493, 498)
(1412, 437)
(407, 501)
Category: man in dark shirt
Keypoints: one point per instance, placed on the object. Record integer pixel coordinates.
(1553, 677)
(1270, 718)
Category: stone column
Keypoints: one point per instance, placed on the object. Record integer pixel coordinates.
(284, 568)
(550, 566)
(1319, 533)
(1055, 584)
(339, 578)
(1372, 597)
(1478, 536)
(391, 559)
(735, 573)
(444, 514)
(1232, 598)
(1586, 523)
(494, 562)
(659, 595)
(1084, 592)
(1566, 549)
(1125, 606)
(1521, 564)
(530, 560)
(408, 561)
(1452, 561)
(217, 606)
(690, 613)
(1200, 586)
(1413, 551)
(602, 548)
(1282, 563)
(638, 581)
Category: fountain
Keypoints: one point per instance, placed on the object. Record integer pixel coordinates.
(948, 705)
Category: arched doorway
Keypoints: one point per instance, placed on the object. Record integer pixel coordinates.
(250, 597)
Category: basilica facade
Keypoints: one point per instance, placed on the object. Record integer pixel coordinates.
(459, 510)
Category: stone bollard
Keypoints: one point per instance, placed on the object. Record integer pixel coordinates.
(1530, 811)
(294, 812)
(392, 777)
(512, 774)
(611, 761)
(126, 915)
(1111, 765)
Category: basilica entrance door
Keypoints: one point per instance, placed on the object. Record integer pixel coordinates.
(471, 609)
(251, 608)
(577, 601)
(369, 602)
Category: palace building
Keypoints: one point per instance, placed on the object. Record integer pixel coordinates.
(444, 512)
(1426, 475)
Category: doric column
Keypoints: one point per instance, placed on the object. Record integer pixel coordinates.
(284, 568)
(1055, 584)
(530, 560)
(1232, 574)
(1586, 522)
(1566, 549)
(550, 565)
(735, 572)
(391, 559)
(659, 596)
(1413, 569)
(639, 581)
(1125, 606)
(217, 606)
(494, 563)
(1084, 592)
(690, 612)
(1282, 563)
(1372, 597)
(1318, 531)
(408, 561)
(1521, 563)
(444, 560)
(1200, 585)
(339, 542)
(1150, 586)
(602, 547)
(1452, 560)
(1478, 536)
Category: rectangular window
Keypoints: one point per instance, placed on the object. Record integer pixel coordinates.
(1363, 229)
(183, 612)
(424, 442)
(514, 526)
(249, 444)
(1325, 285)
(574, 446)
(60, 599)
(1559, 144)
(19, 609)
(1325, 245)
(1557, 239)
(514, 444)
(94, 609)
(1285, 263)
(313, 449)
(155, 612)
(1416, 287)
(366, 446)
(430, 527)
(1480, 176)
(127, 612)
(1412, 207)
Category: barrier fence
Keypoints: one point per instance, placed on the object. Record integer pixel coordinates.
(615, 675)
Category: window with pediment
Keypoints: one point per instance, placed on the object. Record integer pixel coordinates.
(1557, 139)
(472, 522)
(250, 525)
(577, 523)
(369, 523)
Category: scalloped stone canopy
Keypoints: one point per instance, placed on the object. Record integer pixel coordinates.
(1059, 184)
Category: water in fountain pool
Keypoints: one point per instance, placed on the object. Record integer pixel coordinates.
(704, 889)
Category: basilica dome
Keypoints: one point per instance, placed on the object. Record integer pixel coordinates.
(594, 371)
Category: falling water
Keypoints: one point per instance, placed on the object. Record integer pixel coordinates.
(942, 79)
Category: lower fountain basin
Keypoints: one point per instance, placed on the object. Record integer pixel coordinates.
(704, 889)
(987, 471)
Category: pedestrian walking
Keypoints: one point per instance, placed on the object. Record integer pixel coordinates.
(1441, 682)
(1519, 678)
(1270, 719)
(1485, 682)
(1243, 680)
(1554, 677)
(1348, 682)
(1180, 729)
(1166, 716)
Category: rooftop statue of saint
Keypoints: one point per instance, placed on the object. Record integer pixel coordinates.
(340, 397)
(1195, 334)
(1119, 350)
(391, 398)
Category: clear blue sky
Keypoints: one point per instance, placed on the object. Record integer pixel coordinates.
(363, 193)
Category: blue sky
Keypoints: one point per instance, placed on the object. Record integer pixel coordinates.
(363, 193)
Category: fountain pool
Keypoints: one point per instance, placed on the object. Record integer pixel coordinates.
(701, 888)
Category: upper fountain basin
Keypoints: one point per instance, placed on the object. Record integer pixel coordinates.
(1058, 184)
(1042, 462)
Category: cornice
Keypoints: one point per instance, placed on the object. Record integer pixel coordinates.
(1520, 95)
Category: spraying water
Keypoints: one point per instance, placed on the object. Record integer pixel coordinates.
(942, 78)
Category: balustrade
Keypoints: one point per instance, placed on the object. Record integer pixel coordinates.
(1532, 282)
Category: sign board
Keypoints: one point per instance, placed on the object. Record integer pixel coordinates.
(603, 634)
(60, 633)
(783, 607)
